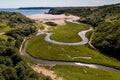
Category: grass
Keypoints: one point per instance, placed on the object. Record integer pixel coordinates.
(40, 26)
(27, 60)
(88, 34)
(84, 73)
(39, 48)
(68, 32)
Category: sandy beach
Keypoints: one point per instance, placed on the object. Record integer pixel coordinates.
(58, 19)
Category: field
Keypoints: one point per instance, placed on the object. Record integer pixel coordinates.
(68, 32)
(84, 73)
(39, 48)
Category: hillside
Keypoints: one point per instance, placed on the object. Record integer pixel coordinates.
(107, 36)
(78, 11)
(105, 19)
(13, 28)
(14, 19)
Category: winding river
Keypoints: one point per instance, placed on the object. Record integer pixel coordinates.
(81, 34)
(50, 63)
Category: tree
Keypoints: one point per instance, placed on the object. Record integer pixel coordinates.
(9, 73)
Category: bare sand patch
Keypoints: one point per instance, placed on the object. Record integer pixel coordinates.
(2, 33)
(46, 72)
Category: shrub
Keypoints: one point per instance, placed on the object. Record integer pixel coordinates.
(51, 23)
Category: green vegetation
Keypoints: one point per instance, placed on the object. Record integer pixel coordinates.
(39, 48)
(106, 22)
(39, 25)
(88, 34)
(51, 23)
(26, 59)
(68, 32)
(79, 11)
(5, 28)
(84, 73)
(105, 19)
(15, 20)
(4, 37)
(12, 66)
(107, 38)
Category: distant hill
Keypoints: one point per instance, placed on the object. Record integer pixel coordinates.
(105, 19)
(35, 8)
(78, 11)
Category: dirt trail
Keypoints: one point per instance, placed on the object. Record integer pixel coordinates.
(46, 72)
(2, 33)
(91, 41)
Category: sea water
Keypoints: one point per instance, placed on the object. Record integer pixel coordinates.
(26, 12)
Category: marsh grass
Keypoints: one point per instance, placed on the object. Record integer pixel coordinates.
(84, 73)
(68, 32)
(39, 48)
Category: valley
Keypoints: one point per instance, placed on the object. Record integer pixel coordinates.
(67, 43)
